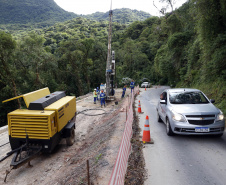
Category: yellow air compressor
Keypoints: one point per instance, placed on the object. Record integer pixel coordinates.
(49, 117)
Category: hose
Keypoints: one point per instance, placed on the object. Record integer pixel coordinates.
(82, 112)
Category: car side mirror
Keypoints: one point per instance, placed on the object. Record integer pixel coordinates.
(162, 101)
(212, 101)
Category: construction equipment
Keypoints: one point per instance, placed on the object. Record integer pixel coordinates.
(49, 117)
(110, 66)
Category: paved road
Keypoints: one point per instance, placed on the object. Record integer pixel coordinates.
(180, 160)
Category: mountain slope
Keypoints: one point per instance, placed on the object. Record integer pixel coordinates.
(32, 11)
(123, 16)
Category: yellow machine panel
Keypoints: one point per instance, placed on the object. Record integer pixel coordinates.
(32, 96)
(65, 110)
(35, 124)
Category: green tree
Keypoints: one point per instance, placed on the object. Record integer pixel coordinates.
(7, 72)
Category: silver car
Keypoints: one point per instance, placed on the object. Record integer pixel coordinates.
(189, 112)
(145, 84)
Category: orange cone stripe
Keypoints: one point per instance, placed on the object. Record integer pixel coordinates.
(146, 132)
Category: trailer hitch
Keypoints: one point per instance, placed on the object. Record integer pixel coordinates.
(23, 154)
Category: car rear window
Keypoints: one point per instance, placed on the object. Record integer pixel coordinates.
(187, 98)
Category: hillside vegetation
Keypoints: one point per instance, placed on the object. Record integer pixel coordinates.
(123, 16)
(32, 11)
(29, 14)
(186, 48)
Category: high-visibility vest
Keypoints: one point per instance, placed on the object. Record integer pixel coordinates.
(132, 84)
(102, 95)
(94, 94)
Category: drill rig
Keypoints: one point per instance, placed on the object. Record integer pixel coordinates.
(110, 66)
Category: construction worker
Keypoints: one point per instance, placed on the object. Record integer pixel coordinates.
(98, 92)
(123, 91)
(95, 96)
(102, 98)
(132, 84)
(102, 87)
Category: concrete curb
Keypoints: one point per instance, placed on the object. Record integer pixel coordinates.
(3, 129)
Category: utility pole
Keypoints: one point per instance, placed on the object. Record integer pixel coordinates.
(110, 65)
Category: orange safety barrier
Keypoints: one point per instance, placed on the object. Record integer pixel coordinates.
(120, 167)
(146, 132)
(139, 108)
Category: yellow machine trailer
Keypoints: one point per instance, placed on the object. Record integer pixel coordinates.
(49, 117)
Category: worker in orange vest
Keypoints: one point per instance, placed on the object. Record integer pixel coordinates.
(102, 98)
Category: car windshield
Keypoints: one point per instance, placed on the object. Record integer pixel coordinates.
(145, 82)
(187, 98)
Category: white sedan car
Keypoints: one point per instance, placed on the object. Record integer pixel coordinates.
(145, 84)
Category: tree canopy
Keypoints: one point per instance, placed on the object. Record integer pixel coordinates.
(185, 48)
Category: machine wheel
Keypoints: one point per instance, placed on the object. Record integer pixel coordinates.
(168, 128)
(70, 140)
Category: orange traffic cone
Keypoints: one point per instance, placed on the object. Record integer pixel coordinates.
(145, 88)
(139, 108)
(146, 132)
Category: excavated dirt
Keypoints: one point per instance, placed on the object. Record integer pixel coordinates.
(98, 136)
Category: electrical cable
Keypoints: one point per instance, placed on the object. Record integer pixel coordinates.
(4, 144)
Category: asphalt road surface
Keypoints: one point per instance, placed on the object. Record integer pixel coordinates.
(179, 160)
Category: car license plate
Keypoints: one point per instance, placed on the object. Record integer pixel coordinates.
(202, 129)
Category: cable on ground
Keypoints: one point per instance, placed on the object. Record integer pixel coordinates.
(83, 112)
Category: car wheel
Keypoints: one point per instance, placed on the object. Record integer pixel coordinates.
(168, 128)
(159, 118)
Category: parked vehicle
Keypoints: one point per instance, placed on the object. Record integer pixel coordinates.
(145, 84)
(189, 112)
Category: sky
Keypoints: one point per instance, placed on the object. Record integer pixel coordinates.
(91, 6)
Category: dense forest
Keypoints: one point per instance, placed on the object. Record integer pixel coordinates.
(123, 16)
(31, 14)
(184, 48)
(32, 11)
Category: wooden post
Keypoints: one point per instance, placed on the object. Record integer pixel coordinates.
(88, 178)
(126, 113)
(128, 101)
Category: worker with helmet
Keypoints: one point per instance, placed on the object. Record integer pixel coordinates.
(132, 84)
(95, 96)
(123, 91)
(102, 98)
